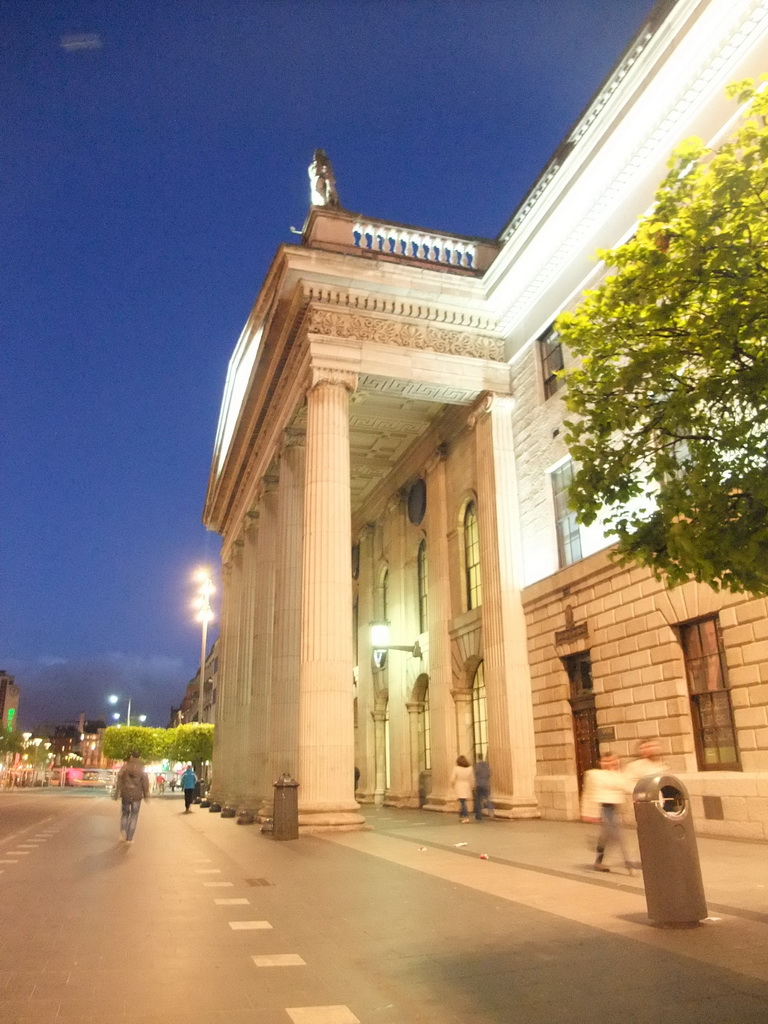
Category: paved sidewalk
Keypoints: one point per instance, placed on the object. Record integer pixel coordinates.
(735, 873)
(202, 921)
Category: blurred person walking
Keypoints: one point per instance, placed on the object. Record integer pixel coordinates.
(605, 790)
(463, 785)
(131, 787)
(188, 784)
(482, 794)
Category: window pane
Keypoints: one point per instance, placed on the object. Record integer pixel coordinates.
(479, 714)
(568, 533)
(711, 711)
(422, 582)
(472, 557)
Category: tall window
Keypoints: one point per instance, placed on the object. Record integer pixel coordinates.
(568, 536)
(385, 596)
(479, 713)
(474, 590)
(426, 727)
(356, 630)
(421, 570)
(710, 698)
(551, 355)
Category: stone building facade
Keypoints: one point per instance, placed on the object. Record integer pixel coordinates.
(390, 451)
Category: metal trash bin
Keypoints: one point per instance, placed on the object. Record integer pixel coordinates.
(674, 891)
(285, 816)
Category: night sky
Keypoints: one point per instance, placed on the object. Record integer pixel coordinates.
(153, 155)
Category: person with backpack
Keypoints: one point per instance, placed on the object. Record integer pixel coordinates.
(188, 785)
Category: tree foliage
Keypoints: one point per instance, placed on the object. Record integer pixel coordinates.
(11, 743)
(671, 394)
(152, 744)
(192, 742)
(184, 743)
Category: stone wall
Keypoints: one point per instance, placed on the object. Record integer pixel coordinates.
(640, 685)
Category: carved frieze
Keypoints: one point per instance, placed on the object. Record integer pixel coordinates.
(336, 324)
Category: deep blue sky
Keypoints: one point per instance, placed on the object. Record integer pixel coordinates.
(146, 184)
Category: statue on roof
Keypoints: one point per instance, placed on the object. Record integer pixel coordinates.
(322, 188)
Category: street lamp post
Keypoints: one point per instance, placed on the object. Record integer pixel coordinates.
(204, 615)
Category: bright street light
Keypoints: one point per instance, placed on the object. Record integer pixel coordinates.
(113, 699)
(202, 605)
(116, 715)
(142, 719)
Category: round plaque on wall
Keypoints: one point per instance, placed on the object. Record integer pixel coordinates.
(417, 501)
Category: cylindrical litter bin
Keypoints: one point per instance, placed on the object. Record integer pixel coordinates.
(674, 891)
(285, 817)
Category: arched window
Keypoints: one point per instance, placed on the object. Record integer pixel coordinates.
(421, 568)
(479, 713)
(474, 591)
(426, 728)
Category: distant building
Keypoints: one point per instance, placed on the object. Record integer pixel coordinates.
(189, 709)
(91, 742)
(391, 452)
(9, 702)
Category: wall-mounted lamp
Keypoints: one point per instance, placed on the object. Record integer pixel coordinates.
(380, 644)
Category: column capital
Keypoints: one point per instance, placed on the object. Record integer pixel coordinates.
(436, 458)
(489, 402)
(413, 707)
(332, 375)
(294, 437)
(462, 696)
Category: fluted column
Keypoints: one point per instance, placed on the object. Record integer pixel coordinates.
(233, 694)
(414, 709)
(242, 795)
(326, 730)
(511, 742)
(286, 651)
(219, 759)
(442, 717)
(402, 631)
(259, 783)
(379, 716)
(365, 753)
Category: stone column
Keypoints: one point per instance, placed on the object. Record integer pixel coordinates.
(219, 772)
(511, 743)
(403, 631)
(242, 796)
(442, 716)
(233, 694)
(365, 753)
(379, 716)
(286, 649)
(326, 729)
(465, 734)
(263, 583)
(414, 709)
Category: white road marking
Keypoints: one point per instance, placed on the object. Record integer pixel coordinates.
(279, 960)
(321, 1015)
(248, 926)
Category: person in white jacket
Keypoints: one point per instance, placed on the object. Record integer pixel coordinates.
(463, 785)
(604, 793)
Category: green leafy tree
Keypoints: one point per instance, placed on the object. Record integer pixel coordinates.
(192, 742)
(152, 744)
(11, 743)
(671, 394)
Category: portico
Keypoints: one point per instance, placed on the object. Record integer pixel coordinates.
(363, 369)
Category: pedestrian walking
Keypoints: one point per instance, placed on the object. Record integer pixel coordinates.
(463, 784)
(648, 762)
(482, 794)
(188, 783)
(131, 787)
(605, 790)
